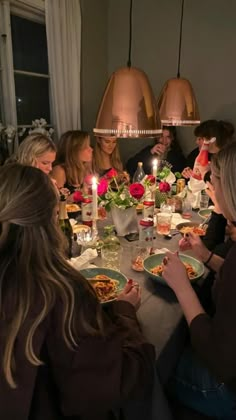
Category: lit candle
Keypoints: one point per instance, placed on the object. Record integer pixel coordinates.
(95, 198)
(154, 167)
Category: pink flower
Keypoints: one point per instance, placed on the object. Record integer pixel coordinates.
(151, 179)
(164, 186)
(111, 174)
(102, 186)
(78, 197)
(137, 190)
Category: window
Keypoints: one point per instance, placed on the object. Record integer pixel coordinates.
(23, 54)
(30, 62)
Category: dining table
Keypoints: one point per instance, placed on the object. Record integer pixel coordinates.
(160, 315)
(161, 319)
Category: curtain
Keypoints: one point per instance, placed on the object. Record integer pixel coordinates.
(63, 26)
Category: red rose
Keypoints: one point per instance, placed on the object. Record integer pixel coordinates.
(78, 197)
(111, 174)
(151, 179)
(137, 190)
(164, 186)
(102, 186)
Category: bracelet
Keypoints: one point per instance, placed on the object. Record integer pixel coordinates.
(208, 259)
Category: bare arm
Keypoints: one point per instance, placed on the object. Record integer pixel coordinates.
(58, 173)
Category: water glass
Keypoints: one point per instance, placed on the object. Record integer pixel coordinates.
(204, 201)
(111, 258)
(163, 225)
(187, 209)
(87, 239)
(138, 255)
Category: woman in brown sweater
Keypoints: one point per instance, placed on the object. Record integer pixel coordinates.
(61, 354)
(205, 378)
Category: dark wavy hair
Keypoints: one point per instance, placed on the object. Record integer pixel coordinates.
(223, 131)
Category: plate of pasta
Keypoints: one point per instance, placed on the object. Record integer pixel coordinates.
(153, 266)
(106, 282)
(187, 227)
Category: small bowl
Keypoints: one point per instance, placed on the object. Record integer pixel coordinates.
(89, 273)
(139, 208)
(205, 213)
(180, 226)
(73, 210)
(156, 259)
(79, 228)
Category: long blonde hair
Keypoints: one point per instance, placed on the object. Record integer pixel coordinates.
(97, 157)
(34, 275)
(223, 164)
(69, 146)
(32, 147)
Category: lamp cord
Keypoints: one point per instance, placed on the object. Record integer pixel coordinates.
(180, 38)
(130, 33)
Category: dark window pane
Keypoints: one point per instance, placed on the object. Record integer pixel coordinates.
(29, 45)
(32, 98)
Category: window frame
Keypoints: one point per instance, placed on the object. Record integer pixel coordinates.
(33, 10)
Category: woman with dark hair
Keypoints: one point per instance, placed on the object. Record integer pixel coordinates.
(166, 148)
(223, 131)
(61, 354)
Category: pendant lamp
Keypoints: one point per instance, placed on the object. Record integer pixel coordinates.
(177, 103)
(128, 107)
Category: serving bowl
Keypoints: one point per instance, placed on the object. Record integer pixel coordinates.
(157, 259)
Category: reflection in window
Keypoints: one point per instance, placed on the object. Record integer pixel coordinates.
(32, 98)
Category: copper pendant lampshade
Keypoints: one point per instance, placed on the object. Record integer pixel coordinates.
(177, 103)
(128, 107)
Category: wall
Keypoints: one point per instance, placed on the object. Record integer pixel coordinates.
(94, 70)
(208, 52)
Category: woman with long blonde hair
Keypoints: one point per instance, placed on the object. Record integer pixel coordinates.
(74, 159)
(36, 150)
(205, 378)
(55, 338)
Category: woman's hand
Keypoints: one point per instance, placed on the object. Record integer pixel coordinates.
(187, 172)
(195, 243)
(231, 231)
(131, 293)
(175, 273)
(159, 149)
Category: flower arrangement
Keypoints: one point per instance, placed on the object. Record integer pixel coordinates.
(7, 138)
(112, 194)
(40, 126)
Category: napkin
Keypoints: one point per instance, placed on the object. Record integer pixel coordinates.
(176, 219)
(161, 250)
(83, 261)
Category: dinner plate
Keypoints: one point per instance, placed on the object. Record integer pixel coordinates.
(89, 273)
(156, 259)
